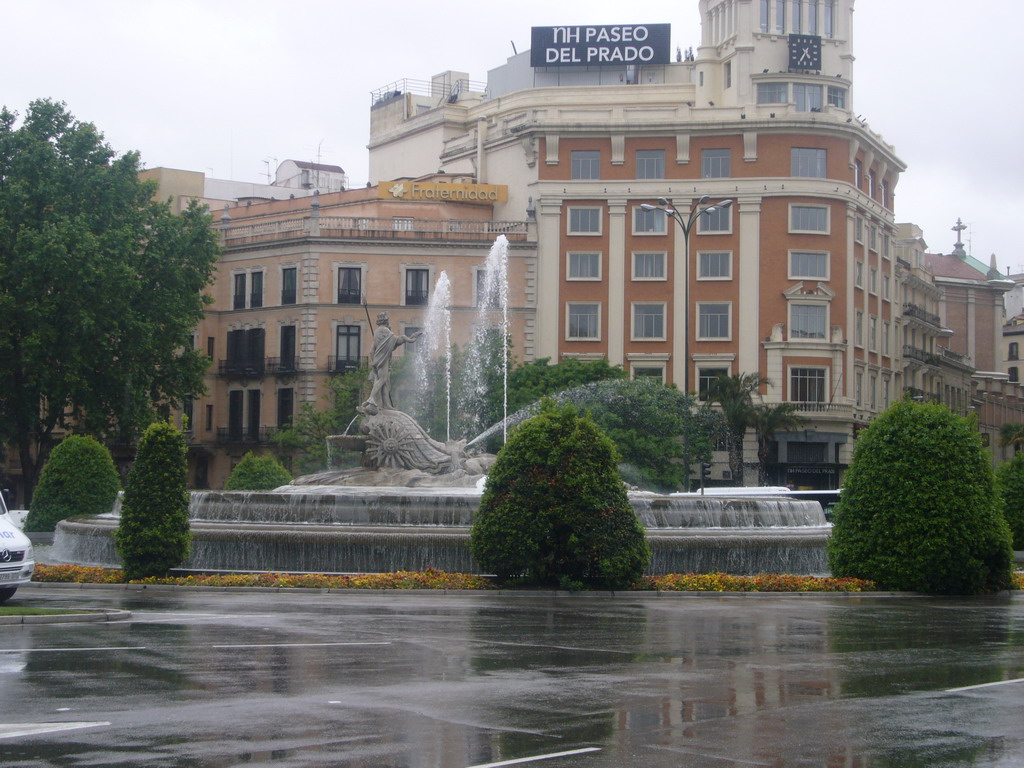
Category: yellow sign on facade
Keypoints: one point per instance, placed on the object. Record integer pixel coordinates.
(480, 194)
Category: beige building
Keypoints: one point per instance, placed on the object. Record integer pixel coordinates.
(301, 278)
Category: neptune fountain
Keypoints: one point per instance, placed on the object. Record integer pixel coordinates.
(410, 504)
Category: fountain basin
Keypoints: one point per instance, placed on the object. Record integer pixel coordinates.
(378, 530)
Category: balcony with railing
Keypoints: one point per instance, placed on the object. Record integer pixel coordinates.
(282, 366)
(337, 364)
(243, 368)
(918, 355)
(245, 435)
(914, 310)
(370, 228)
(821, 410)
(349, 296)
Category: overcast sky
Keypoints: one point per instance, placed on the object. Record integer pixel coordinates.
(228, 86)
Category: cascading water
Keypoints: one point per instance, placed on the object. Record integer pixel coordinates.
(492, 300)
(437, 343)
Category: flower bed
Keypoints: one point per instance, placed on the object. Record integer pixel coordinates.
(432, 579)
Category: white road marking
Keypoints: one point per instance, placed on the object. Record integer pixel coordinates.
(537, 757)
(984, 685)
(293, 645)
(68, 650)
(12, 730)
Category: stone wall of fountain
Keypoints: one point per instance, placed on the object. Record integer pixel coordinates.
(348, 530)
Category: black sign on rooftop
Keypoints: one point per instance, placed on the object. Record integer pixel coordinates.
(607, 45)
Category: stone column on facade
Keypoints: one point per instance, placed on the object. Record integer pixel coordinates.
(618, 321)
(680, 313)
(549, 231)
(748, 273)
(843, 387)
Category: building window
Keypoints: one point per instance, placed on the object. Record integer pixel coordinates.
(713, 321)
(649, 266)
(764, 15)
(858, 274)
(649, 321)
(772, 93)
(650, 163)
(238, 301)
(416, 290)
(256, 289)
(728, 74)
(716, 220)
(873, 238)
(797, 16)
(285, 407)
(807, 321)
(491, 299)
(1013, 373)
(807, 98)
(858, 229)
(871, 184)
(289, 283)
(885, 193)
(583, 266)
(804, 265)
(812, 17)
(715, 163)
(705, 378)
(858, 173)
(348, 347)
(873, 280)
(885, 338)
(859, 394)
(780, 17)
(255, 401)
(656, 372)
(858, 329)
(584, 221)
(586, 164)
(808, 218)
(1014, 351)
(808, 162)
(830, 18)
(837, 97)
(714, 265)
(583, 322)
(807, 385)
(287, 361)
(873, 333)
(208, 426)
(648, 222)
(350, 285)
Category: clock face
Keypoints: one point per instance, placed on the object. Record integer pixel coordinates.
(805, 52)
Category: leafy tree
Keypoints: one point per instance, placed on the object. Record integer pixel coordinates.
(735, 396)
(257, 473)
(659, 431)
(919, 509)
(1010, 483)
(100, 287)
(1011, 434)
(153, 535)
(79, 479)
(529, 382)
(555, 511)
(766, 421)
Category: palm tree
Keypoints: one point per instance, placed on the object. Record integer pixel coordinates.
(767, 420)
(1012, 434)
(735, 396)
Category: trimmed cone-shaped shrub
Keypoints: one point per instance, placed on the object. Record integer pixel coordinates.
(257, 473)
(554, 511)
(1010, 482)
(919, 510)
(154, 536)
(79, 479)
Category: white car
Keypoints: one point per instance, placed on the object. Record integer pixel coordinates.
(17, 560)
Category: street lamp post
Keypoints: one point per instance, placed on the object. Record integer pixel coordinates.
(686, 222)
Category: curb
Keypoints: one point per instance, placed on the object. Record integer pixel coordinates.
(68, 618)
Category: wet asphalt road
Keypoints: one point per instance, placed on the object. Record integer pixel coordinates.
(216, 679)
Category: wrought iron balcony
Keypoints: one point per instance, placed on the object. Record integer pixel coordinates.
(349, 296)
(920, 355)
(242, 368)
(282, 365)
(913, 310)
(344, 364)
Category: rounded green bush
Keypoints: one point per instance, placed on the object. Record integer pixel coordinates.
(154, 535)
(1010, 482)
(554, 511)
(79, 479)
(257, 473)
(919, 510)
